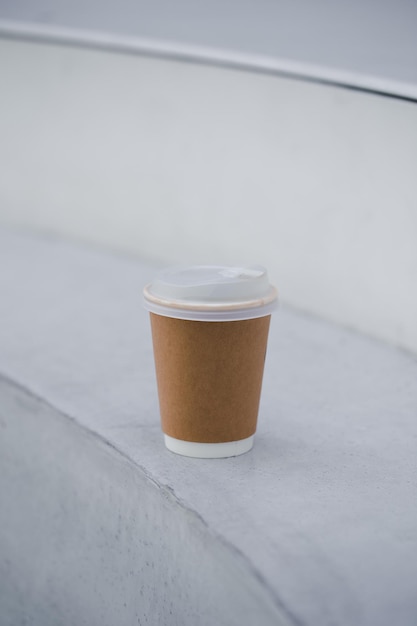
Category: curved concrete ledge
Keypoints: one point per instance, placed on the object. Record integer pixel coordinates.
(99, 523)
(353, 44)
(87, 536)
(177, 161)
(215, 56)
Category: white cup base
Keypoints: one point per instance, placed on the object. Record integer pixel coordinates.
(208, 450)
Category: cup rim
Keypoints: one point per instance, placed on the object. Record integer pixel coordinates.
(212, 311)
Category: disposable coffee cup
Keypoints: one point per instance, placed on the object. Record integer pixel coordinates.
(210, 329)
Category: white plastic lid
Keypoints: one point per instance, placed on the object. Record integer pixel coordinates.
(212, 293)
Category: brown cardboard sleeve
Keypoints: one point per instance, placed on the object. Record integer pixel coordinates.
(209, 376)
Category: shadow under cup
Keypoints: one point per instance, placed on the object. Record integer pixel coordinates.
(209, 374)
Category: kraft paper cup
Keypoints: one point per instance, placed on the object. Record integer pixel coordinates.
(210, 329)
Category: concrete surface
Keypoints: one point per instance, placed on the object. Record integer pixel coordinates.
(180, 161)
(100, 524)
